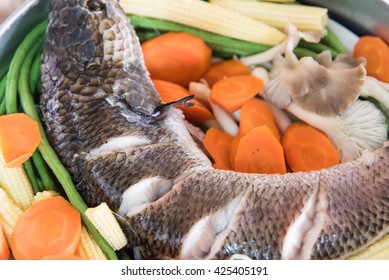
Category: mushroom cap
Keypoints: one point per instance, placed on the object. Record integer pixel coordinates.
(324, 87)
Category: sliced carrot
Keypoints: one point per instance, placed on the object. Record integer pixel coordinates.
(234, 148)
(232, 92)
(257, 112)
(170, 92)
(307, 148)
(176, 57)
(50, 227)
(376, 52)
(62, 257)
(223, 69)
(4, 250)
(260, 152)
(19, 138)
(218, 145)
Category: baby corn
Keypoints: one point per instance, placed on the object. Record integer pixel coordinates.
(9, 213)
(206, 16)
(88, 248)
(106, 223)
(278, 15)
(15, 182)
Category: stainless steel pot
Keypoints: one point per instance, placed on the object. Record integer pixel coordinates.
(360, 16)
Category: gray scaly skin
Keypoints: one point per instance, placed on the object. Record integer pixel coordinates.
(95, 87)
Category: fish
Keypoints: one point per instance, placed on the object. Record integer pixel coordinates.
(123, 146)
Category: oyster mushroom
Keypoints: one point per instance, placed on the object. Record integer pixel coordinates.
(324, 87)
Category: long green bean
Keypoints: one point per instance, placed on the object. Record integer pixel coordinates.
(48, 153)
(41, 167)
(331, 40)
(29, 168)
(16, 63)
(35, 72)
(3, 83)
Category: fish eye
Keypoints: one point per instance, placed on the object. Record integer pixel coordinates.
(96, 6)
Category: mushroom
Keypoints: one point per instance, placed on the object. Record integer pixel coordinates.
(361, 127)
(324, 87)
(378, 90)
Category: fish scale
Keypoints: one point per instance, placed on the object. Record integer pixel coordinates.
(104, 119)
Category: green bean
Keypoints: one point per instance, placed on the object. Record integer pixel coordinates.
(3, 83)
(16, 63)
(145, 35)
(301, 52)
(29, 168)
(35, 72)
(2, 107)
(208, 37)
(49, 155)
(331, 40)
(318, 48)
(41, 167)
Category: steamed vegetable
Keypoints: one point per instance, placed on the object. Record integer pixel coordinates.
(19, 138)
(9, 213)
(260, 152)
(223, 69)
(170, 92)
(307, 148)
(278, 15)
(105, 222)
(376, 52)
(232, 92)
(4, 251)
(218, 144)
(176, 57)
(206, 16)
(15, 182)
(51, 227)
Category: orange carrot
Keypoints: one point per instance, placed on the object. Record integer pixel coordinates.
(223, 69)
(234, 148)
(232, 92)
(218, 145)
(307, 148)
(4, 250)
(19, 138)
(260, 152)
(257, 112)
(170, 92)
(50, 227)
(176, 57)
(376, 52)
(62, 257)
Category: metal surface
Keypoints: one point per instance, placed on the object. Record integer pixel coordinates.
(360, 16)
(17, 25)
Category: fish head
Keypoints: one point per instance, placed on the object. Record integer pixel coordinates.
(90, 46)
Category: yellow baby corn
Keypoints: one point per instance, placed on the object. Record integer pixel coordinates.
(208, 17)
(105, 222)
(278, 15)
(377, 251)
(9, 213)
(45, 194)
(15, 182)
(88, 248)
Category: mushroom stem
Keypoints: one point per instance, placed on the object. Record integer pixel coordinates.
(376, 89)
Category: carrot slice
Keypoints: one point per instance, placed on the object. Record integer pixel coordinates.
(232, 92)
(223, 69)
(260, 152)
(257, 112)
(19, 138)
(376, 52)
(50, 227)
(218, 145)
(170, 92)
(234, 149)
(176, 57)
(307, 148)
(4, 250)
(62, 257)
